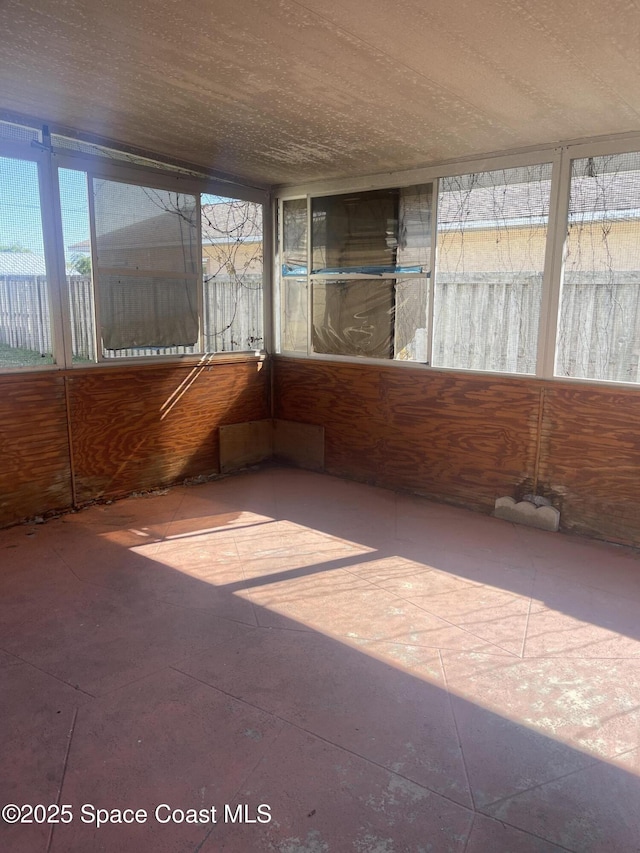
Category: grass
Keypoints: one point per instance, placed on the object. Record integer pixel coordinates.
(18, 357)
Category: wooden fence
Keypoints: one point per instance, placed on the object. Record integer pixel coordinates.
(232, 317)
(485, 322)
(24, 313)
(489, 321)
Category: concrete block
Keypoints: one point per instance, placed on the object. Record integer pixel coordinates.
(525, 512)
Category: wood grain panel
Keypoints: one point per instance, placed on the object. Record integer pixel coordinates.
(590, 459)
(463, 438)
(140, 427)
(245, 444)
(466, 438)
(453, 437)
(346, 401)
(299, 444)
(35, 470)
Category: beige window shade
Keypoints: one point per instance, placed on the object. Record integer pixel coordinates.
(147, 249)
(147, 312)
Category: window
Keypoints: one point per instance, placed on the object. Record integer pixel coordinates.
(599, 328)
(492, 229)
(369, 262)
(26, 338)
(160, 263)
(232, 245)
(146, 277)
(176, 273)
(148, 262)
(294, 307)
(74, 206)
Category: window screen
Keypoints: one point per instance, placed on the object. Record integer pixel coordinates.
(491, 248)
(232, 249)
(294, 236)
(74, 208)
(294, 308)
(147, 247)
(25, 327)
(599, 327)
(18, 133)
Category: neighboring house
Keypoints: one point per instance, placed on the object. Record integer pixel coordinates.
(231, 241)
(232, 237)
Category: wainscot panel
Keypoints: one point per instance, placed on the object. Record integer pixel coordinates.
(469, 438)
(461, 438)
(140, 427)
(590, 459)
(35, 474)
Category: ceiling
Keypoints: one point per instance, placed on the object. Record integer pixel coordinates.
(281, 91)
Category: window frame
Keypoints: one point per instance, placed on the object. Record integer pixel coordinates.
(311, 276)
(38, 154)
(49, 160)
(560, 156)
(138, 175)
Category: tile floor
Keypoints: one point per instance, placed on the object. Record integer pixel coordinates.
(373, 672)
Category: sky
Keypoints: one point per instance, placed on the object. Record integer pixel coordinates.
(74, 204)
(20, 205)
(20, 219)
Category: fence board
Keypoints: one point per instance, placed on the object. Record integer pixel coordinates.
(233, 317)
(486, 322)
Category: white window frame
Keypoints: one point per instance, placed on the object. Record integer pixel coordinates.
(311, 277)
(426, 175)
(560, 156)
(49, 160)
(172, 182)
(629, 143)
(40, 156)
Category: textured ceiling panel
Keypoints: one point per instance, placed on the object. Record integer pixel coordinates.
(283, 91)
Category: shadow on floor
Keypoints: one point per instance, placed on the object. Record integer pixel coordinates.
(383, 673)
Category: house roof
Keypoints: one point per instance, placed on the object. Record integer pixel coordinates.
(222, 223)
(22, 263)
(231, 221)
(299, 90)
(613, 195)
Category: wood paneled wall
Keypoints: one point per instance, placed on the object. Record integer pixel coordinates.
(468, 439)
(454, 437)
(590, 459)
(108, 432)
(35, 474)
(138, 428)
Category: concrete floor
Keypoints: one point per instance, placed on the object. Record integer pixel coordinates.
(383, 673)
